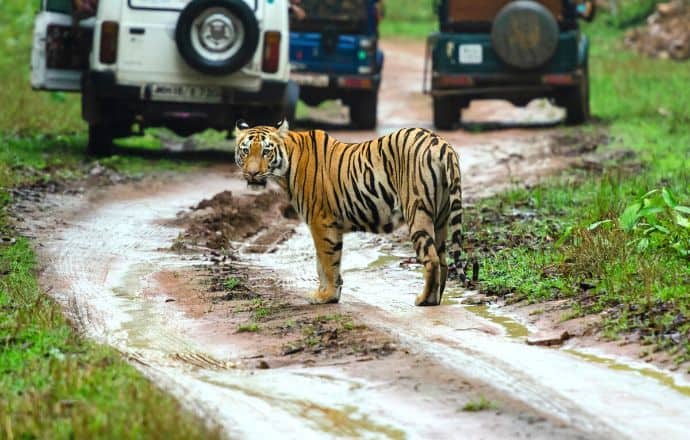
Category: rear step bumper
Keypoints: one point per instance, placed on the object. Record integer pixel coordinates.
(101, 95)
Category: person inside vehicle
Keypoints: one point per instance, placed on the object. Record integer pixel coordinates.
(296, 9)
(82, 9)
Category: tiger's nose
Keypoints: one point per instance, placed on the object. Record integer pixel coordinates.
(252, 174)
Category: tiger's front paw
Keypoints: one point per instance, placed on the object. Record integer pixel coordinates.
(427, 300)
(323, 297)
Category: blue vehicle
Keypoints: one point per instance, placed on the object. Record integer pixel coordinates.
(334, 54)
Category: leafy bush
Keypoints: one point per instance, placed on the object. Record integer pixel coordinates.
(656, 221)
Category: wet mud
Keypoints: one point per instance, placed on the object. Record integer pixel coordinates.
(307, 372)
(255, 222)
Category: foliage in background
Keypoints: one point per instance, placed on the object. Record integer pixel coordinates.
(624, 13)
(656, 221)
(23, 111)
(409, 18)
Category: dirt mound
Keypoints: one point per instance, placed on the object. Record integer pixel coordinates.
(273, 327)
(226, 220)
(667, 33)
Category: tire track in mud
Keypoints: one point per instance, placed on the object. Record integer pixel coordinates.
(601, 401)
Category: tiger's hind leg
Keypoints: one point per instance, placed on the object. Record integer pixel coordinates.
(422, 235)
(440, 236)
(328, 242)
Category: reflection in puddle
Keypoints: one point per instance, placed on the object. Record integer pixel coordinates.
(345, 420)
(513, 328)
(383, 260)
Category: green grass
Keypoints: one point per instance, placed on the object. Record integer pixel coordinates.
(481, 404)
(556, 253)
(409, 19)
(251, 327)
(54, 384)
(23, 110)
(232, 283)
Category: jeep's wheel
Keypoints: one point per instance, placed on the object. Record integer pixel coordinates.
(575, 100)
(363, 110)
(525, 34)
(446, 112)
(217, 37)
(100, 140)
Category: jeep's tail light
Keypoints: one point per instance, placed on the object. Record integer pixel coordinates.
(109, 34)
(453, 80)
(271, 55)
(559, 79)
(353, 82)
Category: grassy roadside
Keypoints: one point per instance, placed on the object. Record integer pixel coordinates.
(53, 383)
(615, 242)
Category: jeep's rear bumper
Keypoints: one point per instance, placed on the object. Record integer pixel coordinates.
(502, 85)
(337, 86)
(103, 98)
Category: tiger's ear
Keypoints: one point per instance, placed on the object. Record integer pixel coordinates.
(241, 125)
(283, 128)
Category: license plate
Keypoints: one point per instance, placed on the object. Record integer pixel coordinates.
(471, 54)
(309, 79)
(181, 93)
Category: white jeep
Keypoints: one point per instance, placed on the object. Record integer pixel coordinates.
(183, 64)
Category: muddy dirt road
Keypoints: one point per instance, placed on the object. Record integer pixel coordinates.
(373, 366)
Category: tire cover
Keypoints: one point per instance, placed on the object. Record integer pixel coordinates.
(240, 13)
(525, 34)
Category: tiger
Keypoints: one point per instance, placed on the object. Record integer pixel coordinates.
(411, 176)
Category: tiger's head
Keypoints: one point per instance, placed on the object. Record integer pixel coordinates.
(260, 151)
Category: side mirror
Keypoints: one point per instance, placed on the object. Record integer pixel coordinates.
(587, 10)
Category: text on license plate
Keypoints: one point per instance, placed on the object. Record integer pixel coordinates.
(306, 79)
(470, 54)
(182, 93)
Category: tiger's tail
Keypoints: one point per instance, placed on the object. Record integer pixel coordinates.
(455, 222)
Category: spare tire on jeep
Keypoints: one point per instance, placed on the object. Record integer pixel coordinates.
(525, 34)
(217, 37)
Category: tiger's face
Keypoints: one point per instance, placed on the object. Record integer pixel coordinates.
(260, 152)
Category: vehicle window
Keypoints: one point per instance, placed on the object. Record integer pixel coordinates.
(474, 11)
(169, 5)
(63, 6)
(344, 15)
(158, 4)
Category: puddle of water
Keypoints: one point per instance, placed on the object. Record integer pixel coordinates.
(343, 420)
(516, 330)
(383, 260)
(663, 378)
(512, 328)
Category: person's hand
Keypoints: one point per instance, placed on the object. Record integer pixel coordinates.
(297, 10)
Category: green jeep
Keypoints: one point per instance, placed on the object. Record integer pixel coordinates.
(513, 50)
